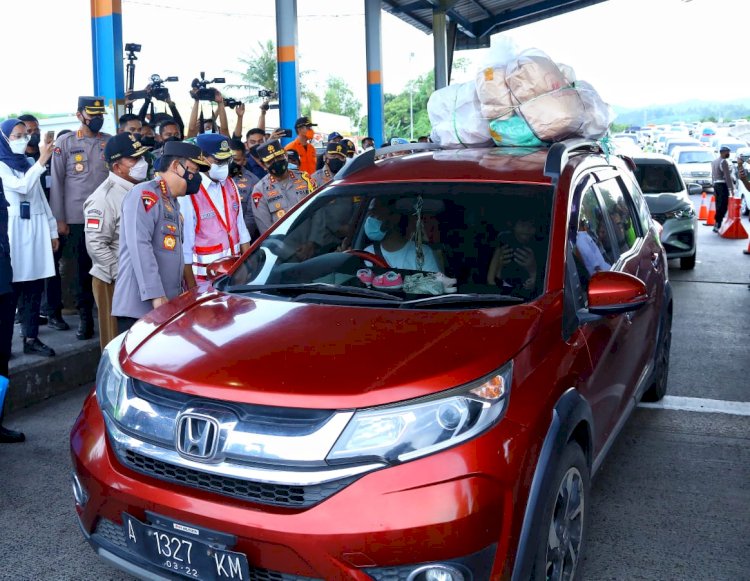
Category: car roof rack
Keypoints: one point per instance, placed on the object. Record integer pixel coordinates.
(559, 152)
(369, 157)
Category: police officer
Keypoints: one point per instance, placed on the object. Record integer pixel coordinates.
(280, 190)
(78, 168)
(334, 160)
(151, 269)
(125, 157)
(350, 150)
(245, 180)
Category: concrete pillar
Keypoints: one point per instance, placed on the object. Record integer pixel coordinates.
(375, 116)
(286, 43)
(440, 46)
(106, 52)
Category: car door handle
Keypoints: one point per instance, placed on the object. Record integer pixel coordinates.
(655, 257)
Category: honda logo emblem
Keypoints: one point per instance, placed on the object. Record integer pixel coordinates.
(197, 436)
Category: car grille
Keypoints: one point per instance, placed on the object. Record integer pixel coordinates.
(260, 492)
(113, 534)
(700, 174)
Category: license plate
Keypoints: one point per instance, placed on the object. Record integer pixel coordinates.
(181, 554)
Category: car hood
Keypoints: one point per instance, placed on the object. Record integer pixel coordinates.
(274, 352)
(661, 203)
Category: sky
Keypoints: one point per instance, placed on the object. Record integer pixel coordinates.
(635, 52)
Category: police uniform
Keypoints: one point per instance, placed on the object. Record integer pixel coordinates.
(324, 174)
(78, 168)
(246, 181)
(102, 229)
(272, 197)
(150, 262)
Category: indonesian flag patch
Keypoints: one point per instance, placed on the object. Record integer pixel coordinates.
(149, 200)
(93, 224)
(257, 197)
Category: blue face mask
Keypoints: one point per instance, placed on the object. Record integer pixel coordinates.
(372, 229)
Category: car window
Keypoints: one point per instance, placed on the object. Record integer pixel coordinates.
(621, 216)
(489, 238)
(695, 157)
(658, 178)
(644, 214)
(589, 235)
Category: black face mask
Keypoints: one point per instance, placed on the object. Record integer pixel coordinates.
(95, 123)
(34, 140)
(334, 165)
(193, 180)
(279, 167)
(235, 169)
(148, 141)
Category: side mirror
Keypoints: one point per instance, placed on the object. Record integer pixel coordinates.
(220, 267)
(694, 189)
(612, 293)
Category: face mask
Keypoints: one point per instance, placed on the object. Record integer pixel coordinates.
(139, 171)
(95, 123)
(372, 229)
(148, 141)
(218, 173)
(34, 140)
(193, 181)
(334, 165)
(19, 145)
(309, 134)
(278, 168)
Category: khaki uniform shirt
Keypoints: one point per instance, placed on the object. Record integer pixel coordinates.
(78, 168)
(151, 264)
(272, 198)
(101, 213)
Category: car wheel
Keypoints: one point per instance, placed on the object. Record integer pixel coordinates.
(565, 519)
(688, 262)
(658, 389)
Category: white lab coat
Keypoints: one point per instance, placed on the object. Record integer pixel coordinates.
(30, 240)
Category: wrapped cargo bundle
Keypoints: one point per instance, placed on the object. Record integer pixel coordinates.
(456, 117)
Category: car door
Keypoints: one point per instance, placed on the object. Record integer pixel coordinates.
(590, 249)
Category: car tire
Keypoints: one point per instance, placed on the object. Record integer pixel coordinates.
(658, 388)
(688, 262)
(564, 520)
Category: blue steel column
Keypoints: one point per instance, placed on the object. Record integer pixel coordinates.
(286, 43)
(375, 116)
(106, 51)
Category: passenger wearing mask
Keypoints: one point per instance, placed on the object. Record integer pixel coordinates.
(77, 170)
(214, 224)
(32, 229)
(334, 160)
(302, 145)
(293, 160)
(280, 190)
(151, 268)
(127, 166)
(368, 143)
(245, 180)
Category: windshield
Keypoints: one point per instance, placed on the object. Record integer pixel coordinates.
(404, 241)
(672, 144)
(733, 147)
(695, 157)
(658, 179)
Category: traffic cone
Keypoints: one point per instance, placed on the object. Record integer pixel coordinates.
(731, 226)
(711, 218)
(703, 212)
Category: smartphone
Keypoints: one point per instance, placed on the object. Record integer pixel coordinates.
(287, 133)
(49, 137)
(25, 210)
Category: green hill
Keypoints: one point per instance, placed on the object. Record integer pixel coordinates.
(693, 110)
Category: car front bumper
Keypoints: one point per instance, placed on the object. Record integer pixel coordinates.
(679, 236)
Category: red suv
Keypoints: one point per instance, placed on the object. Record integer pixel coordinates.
(412, 376)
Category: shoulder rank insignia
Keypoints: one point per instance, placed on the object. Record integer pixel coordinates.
(149, 200)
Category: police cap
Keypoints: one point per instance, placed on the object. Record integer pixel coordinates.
(334, 148)
(269, 151)
(304, 122)
(91, 105)
(186, 150)
(215, 145)
(724, 148)
(349, 147)
(123, 145)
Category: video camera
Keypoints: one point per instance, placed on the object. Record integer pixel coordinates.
(231, 103)
(156, 89)
(201, 90)
(266, 94)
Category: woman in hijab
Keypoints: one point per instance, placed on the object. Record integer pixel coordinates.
(32, 229)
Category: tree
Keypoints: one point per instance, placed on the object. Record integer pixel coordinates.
(340, 100)
(412, 100)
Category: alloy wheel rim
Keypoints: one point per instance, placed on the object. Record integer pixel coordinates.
(566, 528)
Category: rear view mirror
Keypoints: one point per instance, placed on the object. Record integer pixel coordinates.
(220, 267)
(694, 189)
(612, 293)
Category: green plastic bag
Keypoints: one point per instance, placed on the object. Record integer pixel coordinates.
(513, 132)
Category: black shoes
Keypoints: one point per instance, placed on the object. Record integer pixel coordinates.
(57, 322)
(36, 347)
(86, 326)
(10, 436)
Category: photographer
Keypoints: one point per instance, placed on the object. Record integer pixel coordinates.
(161, 93)
(200, 93)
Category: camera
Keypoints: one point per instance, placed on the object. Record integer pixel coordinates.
(158, 90)
(231, 103)
(200, 88)
(132, 47)
(266, 94)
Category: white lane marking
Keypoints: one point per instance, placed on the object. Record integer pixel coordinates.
(697, 404)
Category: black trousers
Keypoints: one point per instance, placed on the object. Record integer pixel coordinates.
(74, 246)
(721, 191)
(124, 323)
(52, 297)
(7, 314)
(29, 300)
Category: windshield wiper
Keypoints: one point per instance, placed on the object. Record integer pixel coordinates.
(318, 287)
(464, 299)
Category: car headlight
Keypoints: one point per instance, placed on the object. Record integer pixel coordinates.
(406, 431)
(684, 212)
(111, 382)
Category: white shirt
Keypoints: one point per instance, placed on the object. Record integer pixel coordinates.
(188, 214)
(590, 253)
(406, 257)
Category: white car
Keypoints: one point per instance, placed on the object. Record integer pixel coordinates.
(730, 142)
(742, 191)
(694, 164)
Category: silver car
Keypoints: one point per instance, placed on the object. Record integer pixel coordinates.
(667, 197)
